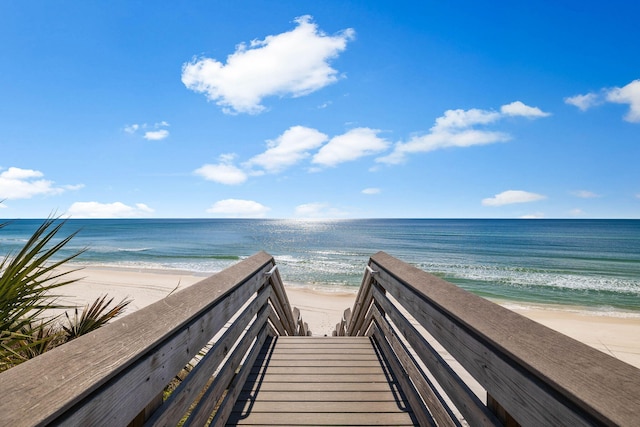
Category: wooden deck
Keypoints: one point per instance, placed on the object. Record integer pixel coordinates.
(321, 381)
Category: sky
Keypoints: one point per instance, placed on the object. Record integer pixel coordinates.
(324, 109)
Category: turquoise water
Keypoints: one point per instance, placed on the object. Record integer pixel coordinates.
(590, 263)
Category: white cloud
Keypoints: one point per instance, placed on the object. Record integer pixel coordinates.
(132, 128)
(318, 210)
(224, 172)
(438, 140)
(156, 135)
(236, 208)
(457, 128)
(20, 174)
(576, 212)
(17, 183)
(518, 108)
(585, 194)
(350, 146)
(108, 210)
(629, 94)
(583, 102)
(371, 191)
(73, 187)
(512, 196)
(154, 132)
(288, 149)
(293, 63)
(461, 119)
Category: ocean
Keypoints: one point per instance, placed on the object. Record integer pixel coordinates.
(583, 264)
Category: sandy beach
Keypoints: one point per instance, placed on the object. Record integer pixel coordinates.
(617, 335)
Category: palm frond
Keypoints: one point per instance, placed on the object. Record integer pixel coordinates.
(31, 341)
(92, 317)
(27, 280)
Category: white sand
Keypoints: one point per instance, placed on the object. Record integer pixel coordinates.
(617, 336)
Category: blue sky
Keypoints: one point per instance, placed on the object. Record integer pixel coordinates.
(332, 109)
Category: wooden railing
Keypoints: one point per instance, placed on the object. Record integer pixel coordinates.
(532, 375)
(116, 375)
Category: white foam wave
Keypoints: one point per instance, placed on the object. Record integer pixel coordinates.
(522, 277)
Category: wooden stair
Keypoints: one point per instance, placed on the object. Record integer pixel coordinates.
(298, 381)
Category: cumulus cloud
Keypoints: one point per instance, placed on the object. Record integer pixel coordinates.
(461, 128)
(583, 102)
(293, 63)
(294, 145)
(518, 108)
(512, 196)
(108, 210)
(371, 191)
(236, 208)
(462, 119)
(318, 210)
(354, 144)
(438, 140)
(223, 172)
(629, 94)
(132, 128)
(156, 135)
(151, 132)
(585, 194)
(17, 183)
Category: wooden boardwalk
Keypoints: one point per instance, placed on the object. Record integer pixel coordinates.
(261, 368)
(321, 381)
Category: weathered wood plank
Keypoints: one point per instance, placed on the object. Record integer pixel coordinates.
(471, 408)
(283, 301)
(80, 369)
(289, 406)
(325, 356)
(361, 305)
(425, 390)
(321, 418)
(341, 378)
(178, 403)
(319, 370)
(253, 384)
(276, 322)
(323, 351)
(325, 348)
(522, 364)
(280, 316)
(412, 396)
(305, 395)
(221, 382)
(321, 362)
(340, 341)
(235, 388)
(278, 392)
